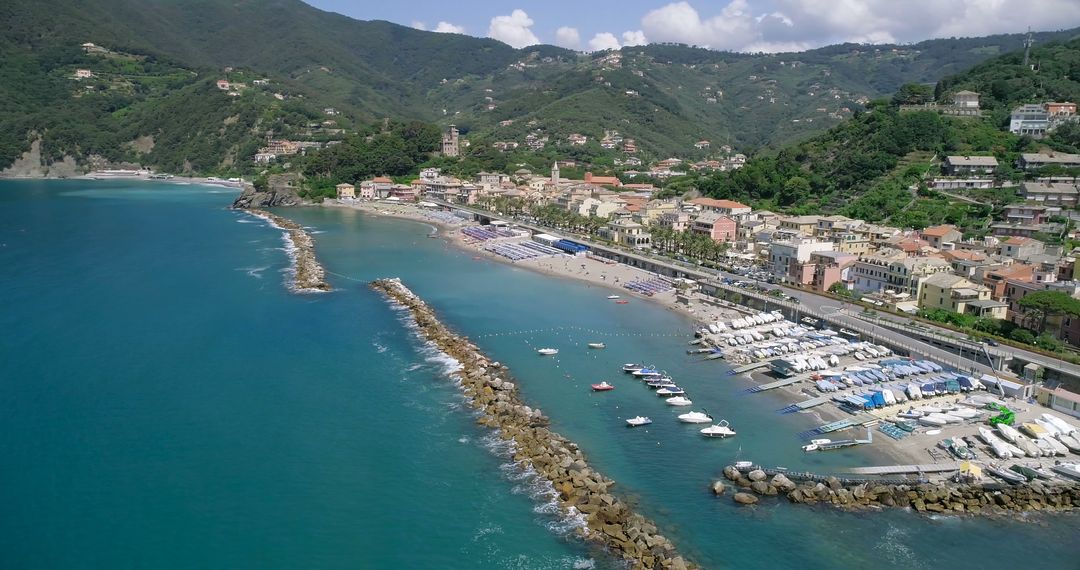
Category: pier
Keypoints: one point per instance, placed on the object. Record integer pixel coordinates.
(749, 368)
(903, 469)
(774, 385)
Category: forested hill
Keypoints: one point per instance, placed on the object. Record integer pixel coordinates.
(154, 82)
(866, 167)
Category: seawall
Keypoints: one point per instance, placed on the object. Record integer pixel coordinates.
(944, 497)
(308, 275)
(582, 490)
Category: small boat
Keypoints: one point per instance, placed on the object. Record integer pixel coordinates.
(679, 401)
(1006, 474)
(720, 430)
(630, 367)
(647, 372)
(638, 421)
(612, 296)
(744, 465)
(1027, 472)
(621, 302)
(602, 387)
(815, 444)
(695, 418)
(547, 351)
(1068, 470)
(671, 391)
(597, 345)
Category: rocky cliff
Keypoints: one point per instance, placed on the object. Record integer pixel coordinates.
(280, 192)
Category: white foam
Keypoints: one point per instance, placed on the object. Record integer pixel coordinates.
(379, 348)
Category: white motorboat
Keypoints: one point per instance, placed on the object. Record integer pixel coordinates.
(815, 444)
(547, 351)
(671, 391)
(612, 296)
(1062, 425)
(638, 421)
(631, 367)
(679, 401)
(933, 420)
(1070, 441)
(1069, 470)
(597, 345)
(720, 430)
(695, 418)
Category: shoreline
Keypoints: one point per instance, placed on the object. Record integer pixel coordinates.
(308, 276)
(582, 492)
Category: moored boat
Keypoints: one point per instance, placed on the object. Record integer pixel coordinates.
(597, 345)
(547, 351)
(638, 421)
(815, 444)
(602, 387)
(631, 367)
(679, 401)
(720, 430)
(695, 418)
(612, 296)
(671, 391)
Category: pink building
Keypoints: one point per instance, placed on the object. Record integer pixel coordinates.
(718, 227)
(830, 267)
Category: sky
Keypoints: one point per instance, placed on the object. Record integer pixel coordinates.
(737, 25)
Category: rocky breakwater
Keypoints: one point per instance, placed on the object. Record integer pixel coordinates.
(582, 491)
(944, 497)
(308, 275)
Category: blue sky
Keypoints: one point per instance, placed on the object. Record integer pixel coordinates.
(741, 25)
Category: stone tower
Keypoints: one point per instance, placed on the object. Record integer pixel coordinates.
(555, 173)
(450, 142)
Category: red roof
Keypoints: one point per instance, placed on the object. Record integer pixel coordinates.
(382, 180)
(711, 203)
(938, 231)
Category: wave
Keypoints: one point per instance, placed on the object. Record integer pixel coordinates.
(894, 547)
(255, 272)
(379, 348)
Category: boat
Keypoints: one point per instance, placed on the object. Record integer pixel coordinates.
(958, 448)
(671, 391)
(621, 302)
(646, 372)
(602, 387)
(695, 418)
(720, 430)
(933, 420)
(1027, 472)
(630, 367)
(679, 401)
(1068, 470)
(547, 351)
(597, 345)
(815, 444)
(638, 421)
(1006, 474)
(1062, 425)
(612, 296)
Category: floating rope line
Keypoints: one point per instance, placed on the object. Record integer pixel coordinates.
(347, 277)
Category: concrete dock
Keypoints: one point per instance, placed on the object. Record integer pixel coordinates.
(901, 469)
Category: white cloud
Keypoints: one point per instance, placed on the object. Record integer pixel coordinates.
(634, 38)
(602, 41)
(568, 38)
(803, 24)
(448, 28)
(419, 25)
(513, 29)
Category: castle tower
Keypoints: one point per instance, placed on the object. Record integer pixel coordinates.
(555, 173)
(450, 142)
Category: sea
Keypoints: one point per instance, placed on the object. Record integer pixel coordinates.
(166, 402)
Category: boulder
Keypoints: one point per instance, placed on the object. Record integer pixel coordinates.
(757, 475)
(745, 499)
(719, 488)
(760, 487)
(781, 482)
(731, 473)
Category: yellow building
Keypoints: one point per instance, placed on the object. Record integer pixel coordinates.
(954, 293)
(346, 191)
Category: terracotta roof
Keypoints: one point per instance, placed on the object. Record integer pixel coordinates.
(382, 180)
(965, 255)
(938, 231)
(1019, 240)
(712, 203)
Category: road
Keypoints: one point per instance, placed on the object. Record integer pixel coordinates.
(886, 325)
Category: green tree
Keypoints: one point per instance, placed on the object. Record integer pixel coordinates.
(913, 94)
(1046, 304)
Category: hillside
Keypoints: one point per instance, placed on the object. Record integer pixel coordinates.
(664, 96)
(867, 167)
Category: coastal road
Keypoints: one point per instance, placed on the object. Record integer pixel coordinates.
(885, 325)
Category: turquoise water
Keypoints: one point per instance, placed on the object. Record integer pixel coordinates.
(166, 403)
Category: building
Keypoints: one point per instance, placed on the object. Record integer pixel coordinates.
(1037, 160)
(346, 191)
(1065, 109)
(602, 180)
(954, 293)
(627, 232)
(970, 165)
(894, 270)
(701, 145)
(577, 139)
(830, 267)
(223, 84)
(1059, 399)
(676, 221)
(1022, 248)
(801, 224)
(730, 208)
(1062, 194)
(450, 143)
(83, 74)
(790, 259)
(966, 100)
(718, 227)
(367, 190)
(938, 235)
(1033, 214)
(1030, 119)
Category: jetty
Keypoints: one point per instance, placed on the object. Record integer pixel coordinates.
(903, 469)
(582, 491)
(774, 385)
(307, 273)
(749, 368)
